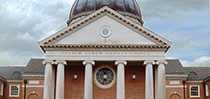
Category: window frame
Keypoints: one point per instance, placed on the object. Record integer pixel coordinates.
(207, 90)
(1, 89)
(198, 86)
(10, 90)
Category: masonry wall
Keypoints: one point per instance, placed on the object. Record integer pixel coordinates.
(34, 90)
(200, 84)
(135, 88)
(208, 84)
(174, 89)
(99, 93)
(7, 89)
(74, 88)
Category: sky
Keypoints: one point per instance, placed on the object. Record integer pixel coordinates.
(23, 23)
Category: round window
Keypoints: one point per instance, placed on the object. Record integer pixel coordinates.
(104, 77)
(105, 32)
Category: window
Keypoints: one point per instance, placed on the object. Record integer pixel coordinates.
(14, 90)
(1, 89)
(207, 90)
(194, 91)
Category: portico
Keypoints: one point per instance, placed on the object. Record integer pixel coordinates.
(88, 63)
(102, 57)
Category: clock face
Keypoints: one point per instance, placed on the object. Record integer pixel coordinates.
(104, 77)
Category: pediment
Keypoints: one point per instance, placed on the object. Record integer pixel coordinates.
(92, 34)
(123, 32)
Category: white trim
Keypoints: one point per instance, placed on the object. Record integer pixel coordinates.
(194, 81)
(175, 86)
(174, 76)
(33, 75)
(198, 90)
(33, 82)
(33, 86)
(18, 86)
(2, 90)
(207, 90)
(174, 82)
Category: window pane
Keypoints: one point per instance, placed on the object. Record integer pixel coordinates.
(194, 91)
(14, 90)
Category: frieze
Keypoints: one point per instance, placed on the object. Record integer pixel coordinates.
(124, 53)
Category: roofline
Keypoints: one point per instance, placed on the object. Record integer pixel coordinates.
(206, 79)
(2, 78)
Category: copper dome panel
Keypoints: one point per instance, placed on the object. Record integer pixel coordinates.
(125, 7)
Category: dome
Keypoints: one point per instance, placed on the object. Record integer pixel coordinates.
(128, 8)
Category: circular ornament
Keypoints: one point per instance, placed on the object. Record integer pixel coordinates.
(105, 32)
(104, 77)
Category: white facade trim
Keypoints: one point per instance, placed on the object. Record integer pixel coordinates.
(176, 76)
(179, 86)
(194, 81)
(33, 86)
(10, 90)
(2, 90)
(33, 75)
(104, 55)
(207, 90)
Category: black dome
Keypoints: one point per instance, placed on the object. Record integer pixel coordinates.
(128, 8)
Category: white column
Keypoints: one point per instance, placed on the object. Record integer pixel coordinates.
(120, 79)
(149, 90)
(60, 79)
(48, 79)
(88, 92)
(161, 80)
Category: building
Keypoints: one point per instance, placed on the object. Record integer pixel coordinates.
(105, 52)
(29, 81)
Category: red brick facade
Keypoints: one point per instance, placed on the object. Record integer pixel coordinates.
(207, 88)
(32, 86)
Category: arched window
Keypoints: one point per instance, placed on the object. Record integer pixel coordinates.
(16, 75)
(192, 76)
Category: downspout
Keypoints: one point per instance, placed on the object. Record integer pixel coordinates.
(184, 83)
(25, 82)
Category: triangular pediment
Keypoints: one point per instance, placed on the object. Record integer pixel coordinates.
(92, 34)
(87, 31)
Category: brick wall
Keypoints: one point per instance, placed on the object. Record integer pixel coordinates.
(174, 89)
(34, 89)
(208, 84)
(7, 90)
(200, 87)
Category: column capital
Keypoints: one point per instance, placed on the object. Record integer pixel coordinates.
(120, 62)
(158, 62)
(44, 62)
(60, 62)
(85, 62)
(149, 62)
